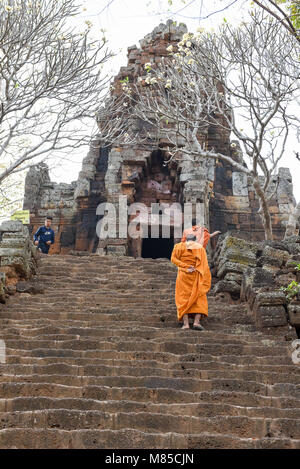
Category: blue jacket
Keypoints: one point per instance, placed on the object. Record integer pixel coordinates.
(43, 235)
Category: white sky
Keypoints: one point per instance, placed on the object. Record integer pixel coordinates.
(128, 21)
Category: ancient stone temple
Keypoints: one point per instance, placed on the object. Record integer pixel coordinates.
(139, 172)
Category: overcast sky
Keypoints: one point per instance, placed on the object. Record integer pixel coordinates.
(128, 21)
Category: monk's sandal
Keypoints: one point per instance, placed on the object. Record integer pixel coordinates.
(198, 328)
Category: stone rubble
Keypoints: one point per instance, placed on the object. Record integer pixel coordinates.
(18, 256)
(255, 272)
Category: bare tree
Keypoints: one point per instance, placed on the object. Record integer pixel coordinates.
(251, 71)
(288, 14)
(51, 80)
(115, 121)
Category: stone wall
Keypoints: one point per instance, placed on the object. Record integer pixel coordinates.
(46, 198)
(18, 257)
(234, 206)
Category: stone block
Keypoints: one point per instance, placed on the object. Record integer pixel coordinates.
(32, 286)
(12, 243)
(116, 250)
(253, 279)
(284, 279)
(237, 203)
(17, 254)
(239, 184)
(269, 298)
(18, 263)
(227, 286)
(271, 269)
(239, 251)
(272, 256)
(271, 316)
(234, 277)
(12, 226)
(291, 245)
(292, 263)
(262, 277)
(12, 251)
(228, 267)
(294, 314)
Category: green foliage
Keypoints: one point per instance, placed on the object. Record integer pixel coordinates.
(295, 14)
(292, 290)
(294, 9)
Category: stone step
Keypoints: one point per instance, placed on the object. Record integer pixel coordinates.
(166, 325)
(134, 355)
(132, 439)
(157, 345)
(205, 364)
(193, 385)
(97, 317)
(227, 327)
(119, 288)
(135, 371)
(132, 266)
(127, 313)
(116, 318)
(148, 422)
(98, 360)
(65, 272)
(119, 336)
(153, 334)
(105, 300)
(94, 259)
(197, 409)
(240, 398)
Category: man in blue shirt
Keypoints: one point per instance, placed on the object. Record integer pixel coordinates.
(44, 236)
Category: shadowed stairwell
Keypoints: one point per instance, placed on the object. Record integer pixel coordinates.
(157, 248)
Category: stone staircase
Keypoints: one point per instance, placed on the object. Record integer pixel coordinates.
(98, 361)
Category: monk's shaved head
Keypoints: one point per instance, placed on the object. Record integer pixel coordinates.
(191, 237)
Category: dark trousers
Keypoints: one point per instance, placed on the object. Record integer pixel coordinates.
(44, 247)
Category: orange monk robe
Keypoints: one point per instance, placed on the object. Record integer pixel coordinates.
(191, 287)
(201, 233)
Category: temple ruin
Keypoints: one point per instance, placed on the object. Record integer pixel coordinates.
(139, 172)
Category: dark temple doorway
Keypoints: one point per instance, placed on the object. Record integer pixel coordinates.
(157, 247)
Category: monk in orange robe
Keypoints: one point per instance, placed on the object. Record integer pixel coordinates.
(193, 281)
(202, 234)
